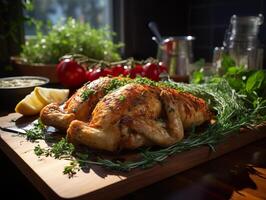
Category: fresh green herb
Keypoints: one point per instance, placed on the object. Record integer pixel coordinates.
(145, 81)
(39, 151)
(71, 169)
(255, 81)
(227, 62)
(250, 83)
(37, 132)
(72, 37)
(62, 149)
(86, 94)
(122, 98)
(116, 83)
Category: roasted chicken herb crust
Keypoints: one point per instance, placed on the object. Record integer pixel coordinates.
(121, 113)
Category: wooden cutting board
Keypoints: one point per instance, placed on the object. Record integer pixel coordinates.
(98, 183)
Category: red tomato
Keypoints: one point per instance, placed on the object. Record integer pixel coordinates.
(88, 75)
(106, 72)
(126, 70)
(151, 71)
(137, 70)
(96, 73)
(118, 70)
(70, 73)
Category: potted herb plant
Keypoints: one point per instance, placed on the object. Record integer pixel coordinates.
(40, 54)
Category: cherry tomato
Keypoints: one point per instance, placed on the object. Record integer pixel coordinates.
(88, 75)
(107, 71)
(151, 71)
(137, 70)
(96, 73)
(118, 70)
(70, 73)
(127, 70)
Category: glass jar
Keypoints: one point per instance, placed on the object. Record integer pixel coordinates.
(241, 42)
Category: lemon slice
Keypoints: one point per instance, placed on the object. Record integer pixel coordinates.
(51, 95)
(33, 103)
(30, 105)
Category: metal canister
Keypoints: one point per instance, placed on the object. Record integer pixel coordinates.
(177, 55)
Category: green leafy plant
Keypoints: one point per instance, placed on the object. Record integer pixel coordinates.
(72, 37)
(251, 83)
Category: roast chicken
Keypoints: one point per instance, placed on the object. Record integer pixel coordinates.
(128, 117)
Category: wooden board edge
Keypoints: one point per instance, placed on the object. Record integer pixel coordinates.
(170, 167)
(27, 171)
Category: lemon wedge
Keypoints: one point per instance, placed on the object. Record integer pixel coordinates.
(51, 95)
(33, 103)
(30, 105)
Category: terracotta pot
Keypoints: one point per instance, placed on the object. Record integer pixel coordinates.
(22, 68)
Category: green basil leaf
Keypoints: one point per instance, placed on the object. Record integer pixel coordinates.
(255, 81)
(235, 70)
(237, 84)
(227, 62)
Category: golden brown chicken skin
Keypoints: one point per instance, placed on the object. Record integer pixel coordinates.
(137, 115)
(79, 106)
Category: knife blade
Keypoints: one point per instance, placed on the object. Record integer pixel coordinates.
(13, 130)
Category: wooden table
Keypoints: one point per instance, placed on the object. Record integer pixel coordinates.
(240, 174)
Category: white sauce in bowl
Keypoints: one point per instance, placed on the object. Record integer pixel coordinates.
(20, 82)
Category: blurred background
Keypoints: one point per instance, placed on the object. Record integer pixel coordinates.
(207, 20)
